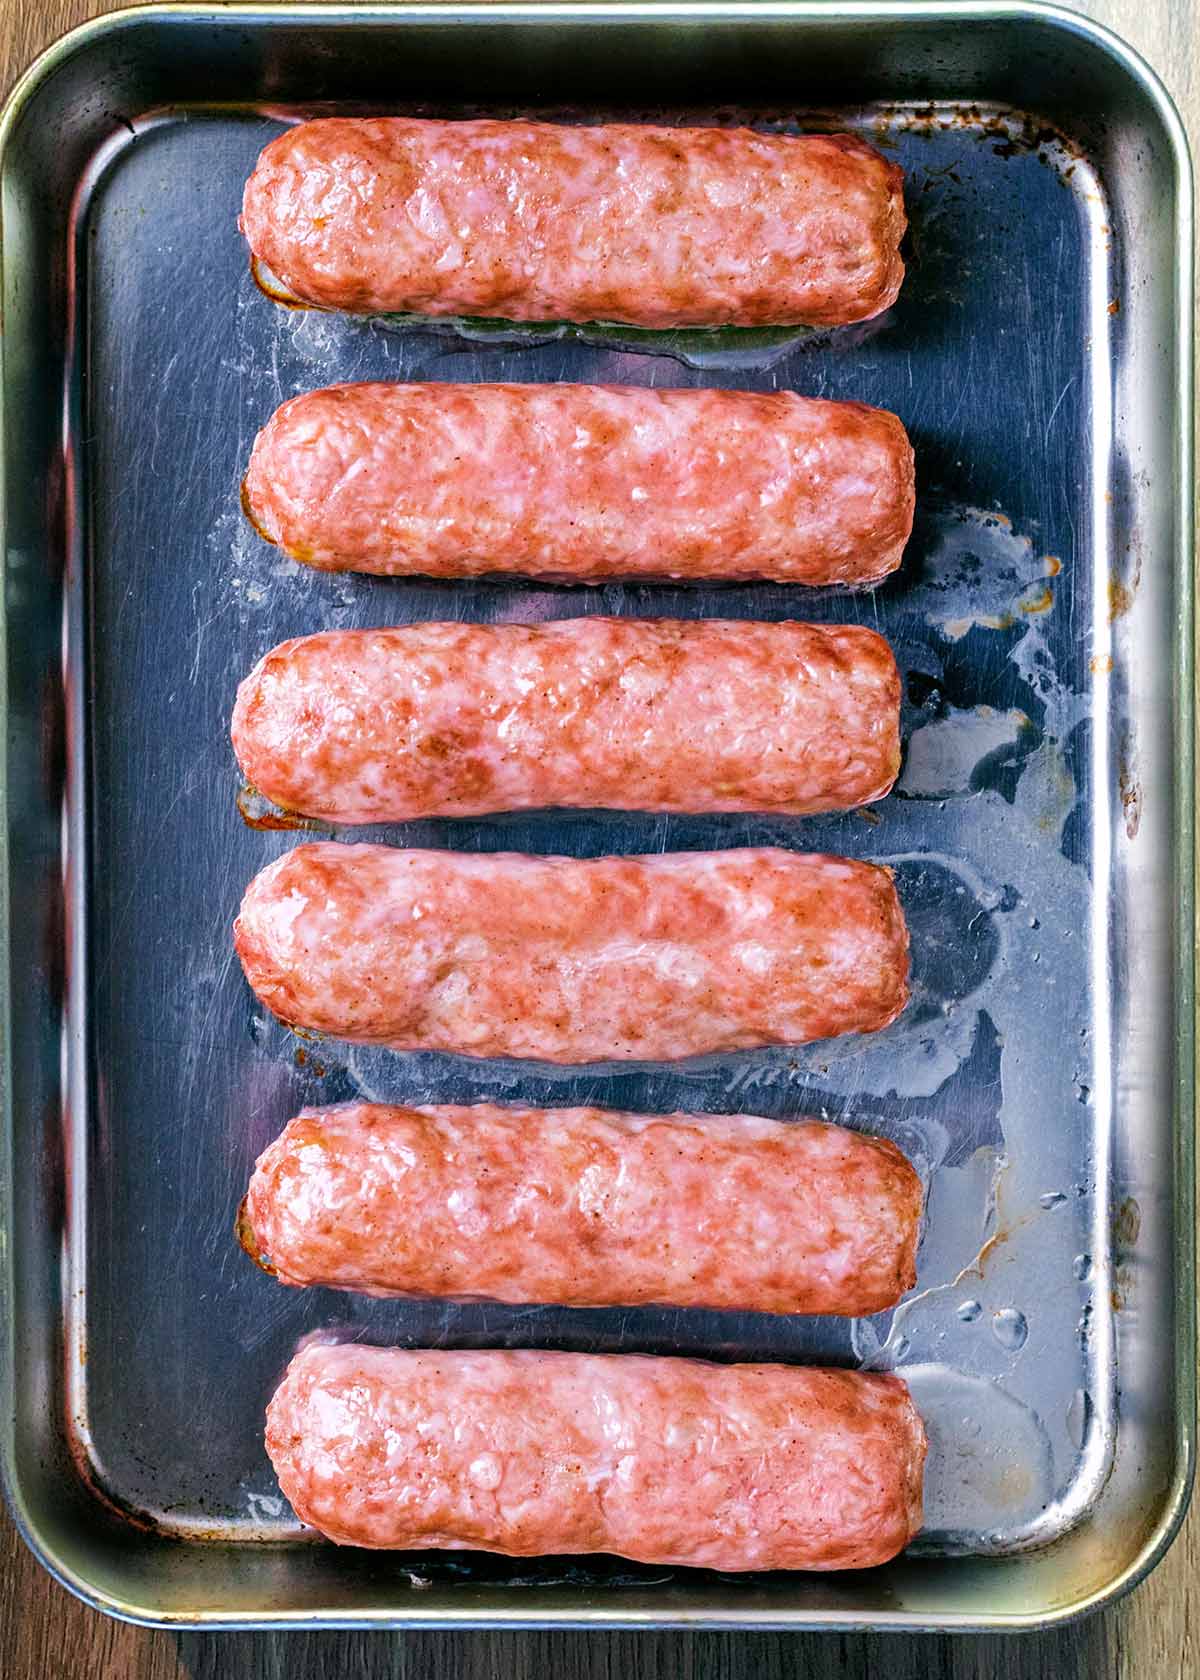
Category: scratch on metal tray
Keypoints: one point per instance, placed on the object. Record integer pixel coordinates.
(202, 627)
(1058, 404)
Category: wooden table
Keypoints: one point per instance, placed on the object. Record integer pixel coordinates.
(1154, 1635)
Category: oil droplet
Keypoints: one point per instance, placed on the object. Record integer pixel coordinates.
(1010, 1329)
(1052, 1199)
(1081, 1267)
(970, 1311)
(990, 1468)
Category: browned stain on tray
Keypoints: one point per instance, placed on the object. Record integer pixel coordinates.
(1127, 1225)
(1130, 788)
(1122, 591)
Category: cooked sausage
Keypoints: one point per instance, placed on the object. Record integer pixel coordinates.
(371, 726)
(670, 1461)
(584, 482)
(530, 221)
(587, 1208)
(571, 959)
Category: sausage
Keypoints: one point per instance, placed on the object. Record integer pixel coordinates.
(531, 221)
(572, 959)
(373, 726)
(586, 1208)
(669, 1461)
(577, 483)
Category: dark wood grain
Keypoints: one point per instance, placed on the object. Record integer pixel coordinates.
(46, 1635)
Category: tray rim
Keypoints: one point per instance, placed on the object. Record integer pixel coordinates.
(1177, 1495)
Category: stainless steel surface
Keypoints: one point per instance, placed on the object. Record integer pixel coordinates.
(1041, 831)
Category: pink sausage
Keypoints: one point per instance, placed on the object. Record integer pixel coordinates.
(584, 482)
(570, 959)
(530, 221)
(669, 1461)
(369, 726)
(586, 1208)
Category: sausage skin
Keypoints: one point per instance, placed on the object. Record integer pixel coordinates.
(586, 1208)
(571, 959)
(531, 221)
(453, 720)
(577, 483)
(668, 1461)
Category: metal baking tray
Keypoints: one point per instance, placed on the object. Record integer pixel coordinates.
(1042, 830)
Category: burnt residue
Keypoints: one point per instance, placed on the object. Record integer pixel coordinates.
(1129, 785)
(1009, 132)
(274, 289)
(248, 510)
(257, 811)
(1040, 601)
(248, 1241)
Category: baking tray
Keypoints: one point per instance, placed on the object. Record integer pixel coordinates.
(1041, 830)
